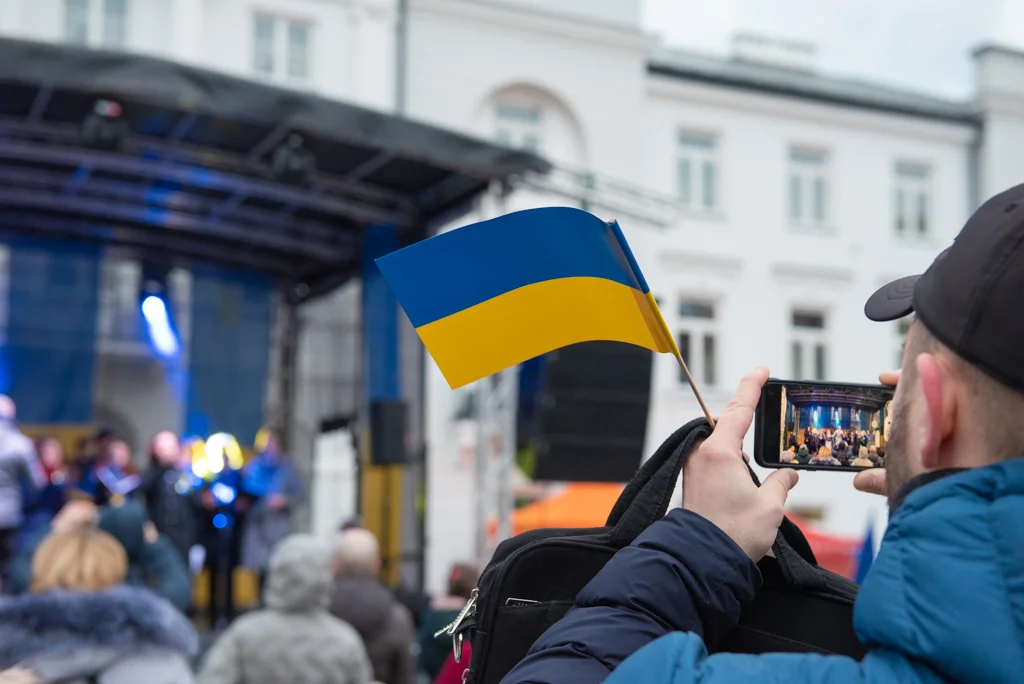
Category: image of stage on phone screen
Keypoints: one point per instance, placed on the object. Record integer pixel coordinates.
(834, 426)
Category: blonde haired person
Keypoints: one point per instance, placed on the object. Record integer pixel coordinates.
(825, 457)
(862, 460)
(77, 585)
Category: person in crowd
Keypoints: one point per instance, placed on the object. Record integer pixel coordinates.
(80, 622)
(954, 478)
(443, 610)
(273, 485)
(862, 460)
(221, 529)
(152, 561)
(824, 457)
(53, 495)
(788, 456)
(362, 601)
(20, 472)
(108, 475)
(803, 455)
(41, 508)
(173, 505)
(416, 601)
(294, 638)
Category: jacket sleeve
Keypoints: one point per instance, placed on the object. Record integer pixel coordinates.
(681, 574)
(683, 659)
(222, 664)
(405, 636)
(166, 574)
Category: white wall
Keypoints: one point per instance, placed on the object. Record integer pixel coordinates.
(1000, 79)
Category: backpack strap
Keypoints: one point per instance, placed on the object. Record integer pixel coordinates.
(645, 499)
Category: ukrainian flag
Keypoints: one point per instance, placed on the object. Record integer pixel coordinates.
(499, 292)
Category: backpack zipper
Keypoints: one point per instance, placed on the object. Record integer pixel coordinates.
(455, 629)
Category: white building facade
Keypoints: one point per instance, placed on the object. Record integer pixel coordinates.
(792, 196)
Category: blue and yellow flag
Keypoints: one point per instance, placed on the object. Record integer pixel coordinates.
(499, 292)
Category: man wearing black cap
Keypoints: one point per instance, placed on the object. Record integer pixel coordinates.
(944, 600)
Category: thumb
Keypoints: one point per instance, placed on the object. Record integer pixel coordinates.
(777, 485)
(871, 481)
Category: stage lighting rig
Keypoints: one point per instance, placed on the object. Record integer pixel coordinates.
(292, 163)
(104, 127)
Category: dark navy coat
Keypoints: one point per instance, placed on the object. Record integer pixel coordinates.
(944, 601)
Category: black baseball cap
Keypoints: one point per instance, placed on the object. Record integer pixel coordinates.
(972, 296)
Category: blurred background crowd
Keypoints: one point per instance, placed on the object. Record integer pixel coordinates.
(99, 518)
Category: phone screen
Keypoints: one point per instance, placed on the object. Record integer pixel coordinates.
(823, 426)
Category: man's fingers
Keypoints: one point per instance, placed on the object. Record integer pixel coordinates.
(890, 378)
(870, 481)
(778, 484)
(739, 413)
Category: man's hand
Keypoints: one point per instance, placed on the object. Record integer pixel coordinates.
(717, 485)
(873, 481)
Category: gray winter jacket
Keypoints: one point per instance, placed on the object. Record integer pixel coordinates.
(124, 635)
(384, 624)
(18, 464)
(294, 639)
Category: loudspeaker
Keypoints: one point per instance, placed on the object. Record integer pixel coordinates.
(589, 412)
(387, 432)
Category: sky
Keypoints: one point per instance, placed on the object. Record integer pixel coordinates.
(923, 45)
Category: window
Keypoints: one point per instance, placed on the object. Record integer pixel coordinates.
(76, 21)
(263, 45)
(115, 16)
(697, 171)
(808, 187)
(281, 49)
(809, 350)
(902, 328)
(697, 341)
(912, 201)
(517, 125)
(298, 50)
(96, 22)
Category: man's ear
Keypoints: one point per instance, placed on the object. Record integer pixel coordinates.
(939, 410)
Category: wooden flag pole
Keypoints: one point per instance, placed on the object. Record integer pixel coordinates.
(693, 386)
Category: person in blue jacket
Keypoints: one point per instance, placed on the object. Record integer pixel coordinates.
(944, 600)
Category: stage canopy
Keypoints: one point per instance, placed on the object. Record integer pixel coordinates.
(857, 398)
(199, 174)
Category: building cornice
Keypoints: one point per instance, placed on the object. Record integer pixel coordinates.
(829, 113)
(535, 21)
(668, 72)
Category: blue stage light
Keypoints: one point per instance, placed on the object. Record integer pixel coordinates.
(158, 323)
(220, 521)
(223, 493)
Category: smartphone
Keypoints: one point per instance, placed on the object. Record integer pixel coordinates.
(822, 425)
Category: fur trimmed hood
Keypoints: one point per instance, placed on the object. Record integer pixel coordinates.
(125, 619)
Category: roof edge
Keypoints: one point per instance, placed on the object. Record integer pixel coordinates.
(662, 69)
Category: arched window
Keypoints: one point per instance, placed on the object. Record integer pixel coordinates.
(531, 118)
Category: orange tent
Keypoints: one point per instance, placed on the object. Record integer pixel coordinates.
(587, 504)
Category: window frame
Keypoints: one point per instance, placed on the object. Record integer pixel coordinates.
(702, 324)
(912, 180)
(698, 151)
(517, 124)
(96, 20)
(282, 57)
(809, 178)
(810, 344)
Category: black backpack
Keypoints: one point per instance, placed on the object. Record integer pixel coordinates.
(533, 578)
